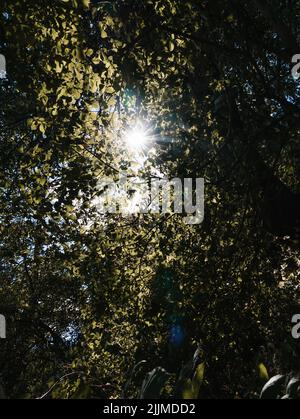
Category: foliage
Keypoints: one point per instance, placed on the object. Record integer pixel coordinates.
(288, 385)
(87, 296)
(187, 386)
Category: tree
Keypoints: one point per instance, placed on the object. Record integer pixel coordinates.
(86, 294)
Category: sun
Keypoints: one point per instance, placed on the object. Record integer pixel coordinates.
(137, 138)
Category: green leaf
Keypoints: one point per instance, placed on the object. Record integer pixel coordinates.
(171, 46)
(263, 373)
(86, 3)
(103, 34)
(110, 90)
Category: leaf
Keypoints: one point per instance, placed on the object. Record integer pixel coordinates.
(42, 128)
(41, 181)
(230, 18)
(199, 374)
(293, 387)
(188, 392)
(86, 3)
(272, 388)
(111, 101)
(134, 371)
(110, 90)
(103, 34)
(82, 393)
(186, 371)
(153, 383)
(263, 373)
(58, 67)
(89, 52)
(191, 388)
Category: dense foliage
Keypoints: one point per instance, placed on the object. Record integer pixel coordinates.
(88, 297)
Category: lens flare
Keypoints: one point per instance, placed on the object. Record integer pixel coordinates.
(138, 137)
